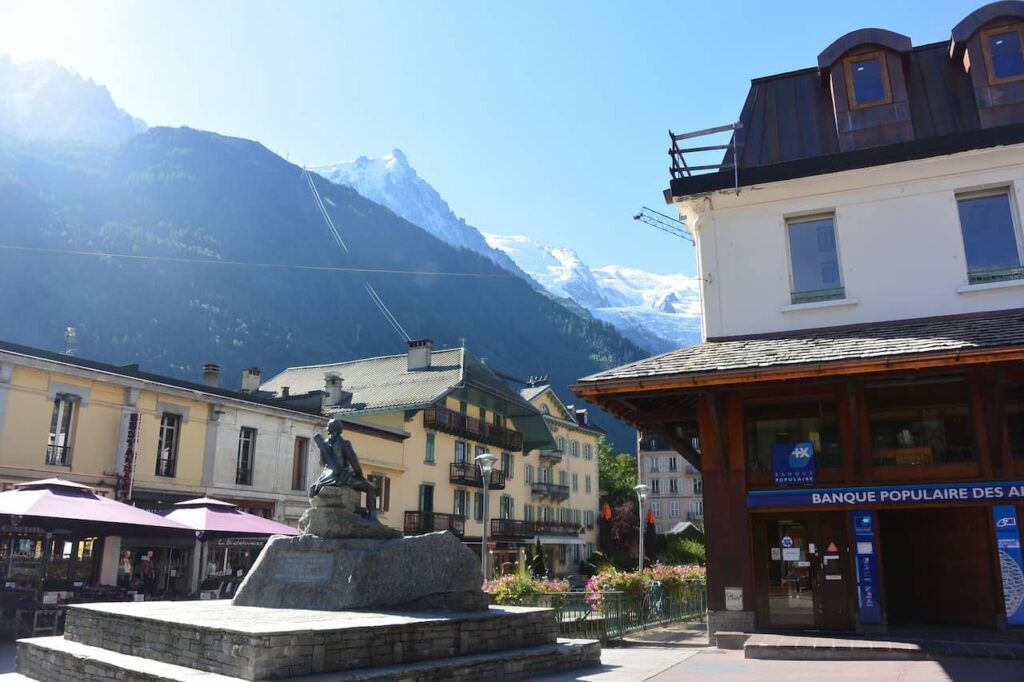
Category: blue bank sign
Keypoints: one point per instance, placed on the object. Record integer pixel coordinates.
(793, 464)
(1007, 492)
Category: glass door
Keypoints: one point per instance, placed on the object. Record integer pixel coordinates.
(790, 588)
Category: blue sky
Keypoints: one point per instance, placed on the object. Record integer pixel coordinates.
(543, 118)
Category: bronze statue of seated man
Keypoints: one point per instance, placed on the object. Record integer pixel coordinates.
(341, 467)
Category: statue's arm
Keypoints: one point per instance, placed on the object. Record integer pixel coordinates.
(353, 460)
(327, 457)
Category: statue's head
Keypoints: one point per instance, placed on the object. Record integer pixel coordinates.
(334, 427)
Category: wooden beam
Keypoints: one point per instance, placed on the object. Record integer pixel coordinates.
(596, 389)
(681, 445)
(716, 427)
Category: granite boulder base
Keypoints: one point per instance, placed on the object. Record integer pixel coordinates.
(344, 561)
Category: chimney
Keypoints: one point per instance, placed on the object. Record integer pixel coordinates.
(211, 375)
(334, 392)
(250, 379)
(419, 354)
(286, 391)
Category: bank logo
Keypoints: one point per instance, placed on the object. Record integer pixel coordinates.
(1007, 522)
(801, 455)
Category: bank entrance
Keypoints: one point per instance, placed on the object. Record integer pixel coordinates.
(938, 567)
(803, 571)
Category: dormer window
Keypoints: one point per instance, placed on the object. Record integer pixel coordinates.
(867, 81)
(1004, 54)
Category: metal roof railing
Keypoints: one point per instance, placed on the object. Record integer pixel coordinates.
(682, 169)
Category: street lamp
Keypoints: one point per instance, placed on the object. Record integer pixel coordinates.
(641, 495)
(486, 462)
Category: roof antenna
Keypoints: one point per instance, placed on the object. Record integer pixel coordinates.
(69, 341)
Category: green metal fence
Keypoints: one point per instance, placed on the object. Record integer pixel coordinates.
(611, 615)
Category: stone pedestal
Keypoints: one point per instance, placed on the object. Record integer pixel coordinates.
(344, 561)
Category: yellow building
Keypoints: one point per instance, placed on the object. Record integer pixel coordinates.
(454, 408)
(152, 441)
(561, 483)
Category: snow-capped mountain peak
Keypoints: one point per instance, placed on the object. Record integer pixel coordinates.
(657, 312)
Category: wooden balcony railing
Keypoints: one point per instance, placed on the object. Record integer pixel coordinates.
(466, 473)
(458, 424)
(554, 490)
(418, 523)
(512, 528)
(557, 528)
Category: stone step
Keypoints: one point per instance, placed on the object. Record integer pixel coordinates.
(817, 648)
(258, 643)
(55, 659)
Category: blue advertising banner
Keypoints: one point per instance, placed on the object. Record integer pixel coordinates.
(867, 566)
(1003, 491)
(793, 464)
(1010, 564)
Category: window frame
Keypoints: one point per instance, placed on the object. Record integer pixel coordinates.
(173, 458)
(63, 403)
(242, 432)
(1018, 233)
(429, 454)
(801, 297)
(300, 463)
(851, 91)
(990, 71)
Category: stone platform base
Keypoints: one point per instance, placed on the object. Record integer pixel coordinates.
(214, 641)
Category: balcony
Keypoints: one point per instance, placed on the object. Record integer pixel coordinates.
(458, 424)
(552, 456)
(512, 529)
(58, 455)
(418, 523)
(694, 516)
(557, 528)
(466, 473)
(552, 490)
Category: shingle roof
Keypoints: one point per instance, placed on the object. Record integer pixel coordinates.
(379, 383)
(875, 341)
(531, 392)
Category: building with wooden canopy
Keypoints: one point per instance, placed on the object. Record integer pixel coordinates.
(856, 408)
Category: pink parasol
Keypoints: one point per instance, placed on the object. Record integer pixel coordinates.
(54, 502)
(215, 516)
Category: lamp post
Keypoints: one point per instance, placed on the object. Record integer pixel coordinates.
(486, 462)
(641, 495)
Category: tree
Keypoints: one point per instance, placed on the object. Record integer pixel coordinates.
(616, 475)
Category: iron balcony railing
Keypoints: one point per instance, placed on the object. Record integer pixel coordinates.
(466, 473)
(58, 455)
(553, 490)
(458, 424)
(418, 523)
(513, 528)
(557, 528)
(552, 456)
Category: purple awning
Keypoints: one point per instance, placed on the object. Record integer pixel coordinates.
(215, 516)
(54, 502)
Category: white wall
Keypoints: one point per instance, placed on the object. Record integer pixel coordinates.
(898, 232)
(272, 468)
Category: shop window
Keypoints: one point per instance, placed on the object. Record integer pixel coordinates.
(785, 423)
(925, 421)
(867, 80)
(62, 422)
(1015, 420)
(428, 456)
(300, 459)
(246, 456)
(814, 260)
(991, 243)
(1004, 55)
